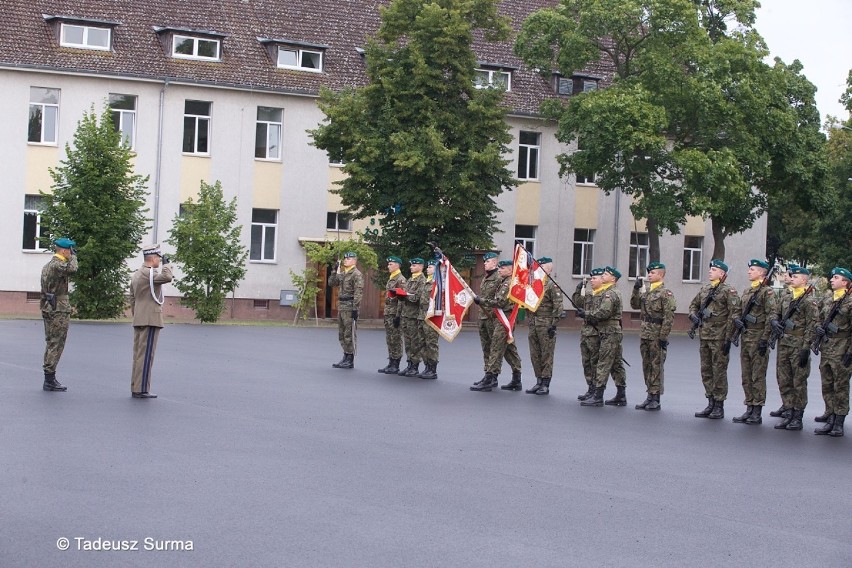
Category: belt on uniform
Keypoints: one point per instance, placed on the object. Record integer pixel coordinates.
(651, 319)
(841, 334)
(345, 298)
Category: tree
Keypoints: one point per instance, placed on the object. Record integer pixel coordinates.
(833, 227)
(98, 201)
(423, 147)
(207, 245)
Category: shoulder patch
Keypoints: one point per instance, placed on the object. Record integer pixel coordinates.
(769, 292)
(669, 293)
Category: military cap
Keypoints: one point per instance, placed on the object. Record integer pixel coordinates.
(395, 259)
(795, 269)
(432, 262)
(718, 264)
(545, 260)
(656, 266)
(614, 271)
(596, 272)
(350, 254)
(416, 260)
(151, 250)
(64, 242)
(842, 272)
(489, 255)
(505, 263)
(791, 266)
(758, 262)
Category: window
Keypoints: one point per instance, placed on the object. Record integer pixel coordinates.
(583, 248)
(692, 258)
(85, 37)
(525, 236)
(338, 221)
(583, 179)
(573, 85)
(44, 115)
(263, 225)
(123, 109)
(196, 127)
(335, 157)
(267, 140)
(187, 47)
(33, 229)
(484, 78)
(638, 254)
(293, 58)
(529, 144)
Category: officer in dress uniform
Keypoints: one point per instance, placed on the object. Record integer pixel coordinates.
(351, 283)
(393, 332)
(542, 330)
(835, 366)
(413, 314)
(430, 334)
(657, 305)
(146, 304)
(55, 308)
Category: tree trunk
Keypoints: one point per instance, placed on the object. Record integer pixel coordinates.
(718, 239)
(653, 240)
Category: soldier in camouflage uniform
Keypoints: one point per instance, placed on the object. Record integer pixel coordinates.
(413, 313)
(589, 338)
(657, 306)
(604, 314)
(430, 334)
(488, 286)
(351, 284)
(795, 327)
(500, 347)
(756, 327)
(835, 365)
(55, 308)
(393, 333)
(542, 330)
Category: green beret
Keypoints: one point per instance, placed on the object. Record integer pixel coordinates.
(64, 242)
(842, 272)
(656, 266)
(614, 271)
(395, 259)
(718, 264)
(432, 262)
(596, 272)
(416, 260)
(350, 254)
(758, 262)
(791, 266)
(505, 263)
(795, 269)
(489, 255)
(545, 260)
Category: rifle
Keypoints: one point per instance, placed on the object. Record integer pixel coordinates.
(747, 317)
(785, 324)
(704, 311)
(829, 327)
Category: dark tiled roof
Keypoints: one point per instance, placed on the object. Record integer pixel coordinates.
(138, 51)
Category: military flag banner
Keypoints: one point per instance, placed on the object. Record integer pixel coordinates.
(508, 321)
(449, 300)
(527, 285)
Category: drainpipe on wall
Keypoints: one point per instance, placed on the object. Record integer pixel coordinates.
(159, 166)
(615, 228)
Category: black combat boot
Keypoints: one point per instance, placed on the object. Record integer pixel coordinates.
(348, 361)
(588, 394)
(341, 362)
(403, 372)
(824, 417)
(796, 419)
(787, 415)
(644, 404)
(718, 411)
(389, 366)
(486, 384)
(483, 380)
(545, 386)
(393, 367)
(596, 399)
(742, 419)
(837, 430)
(51, 384)
(514, 384)
(413, 370)
(534, 389)
(829, 425)
(706, 412)
(619, 399)
(778, 413)
(755, 417)
(430, 372)
(655, 402)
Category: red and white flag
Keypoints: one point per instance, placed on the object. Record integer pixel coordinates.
(508, 321)
(449, 300)
(527, 285)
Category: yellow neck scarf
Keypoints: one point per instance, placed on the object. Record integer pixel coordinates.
(416, 275)
(603, 288)
(655, 285)
(756, 283)
(348, 268)
(839, 294)
(395, 273)
(714, 283)
(60, 257)
(797, 292)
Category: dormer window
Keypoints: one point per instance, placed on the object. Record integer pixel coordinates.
(85, 37)
(575, 84)
(293, 58)
(189, 47)
(491, 78)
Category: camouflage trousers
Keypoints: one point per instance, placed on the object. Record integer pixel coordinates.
(486, 330)
(589, 346)
(609, 360)
(754, 367)
(499, 349)
(55, 332)
(430, 344)
(792, 379)
(653, 361)
(542, 348)
(346, 330)
(714, 368)
(835, 383)
(393, 336)
(412, 329)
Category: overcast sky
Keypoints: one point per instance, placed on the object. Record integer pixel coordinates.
(817, 33)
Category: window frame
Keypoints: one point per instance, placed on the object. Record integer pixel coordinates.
(39, 229)
(264, 226)
(642, 251)
(587, 251)
(524, 151)
(197, 118)
(694, 267)
(525, 241)
(300, 58)
(491, 84)
(267, 145)
(63, 41)
(337, 218)
(42, 106)
(195, 47)
(122, 117)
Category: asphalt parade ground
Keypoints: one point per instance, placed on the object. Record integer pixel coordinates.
(258, 453)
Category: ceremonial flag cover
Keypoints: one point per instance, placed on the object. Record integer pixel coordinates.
(449, 300)
(527, 285)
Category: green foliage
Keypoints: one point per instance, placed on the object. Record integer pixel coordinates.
(327, 254)
(98, 201)
(307, 287)
(833, 227)
(207, 244)
(423, 148)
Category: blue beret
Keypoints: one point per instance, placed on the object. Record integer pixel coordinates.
(545, 260)
(395, 259)
(718, 264)
(596, 272)
(842, 272)
(614, 271)
(350, 254)
(758, 262)
(505, 263)
(795, 269)
(64, 242)
(416, 260)
(656, 265)
(489, 255)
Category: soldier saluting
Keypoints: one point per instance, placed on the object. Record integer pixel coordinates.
(351, 284)
(55, 308)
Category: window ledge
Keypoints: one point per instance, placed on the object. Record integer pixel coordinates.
(35, 251)
(268, 160)
(189, 155)
(263, 262)
(43, 144)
